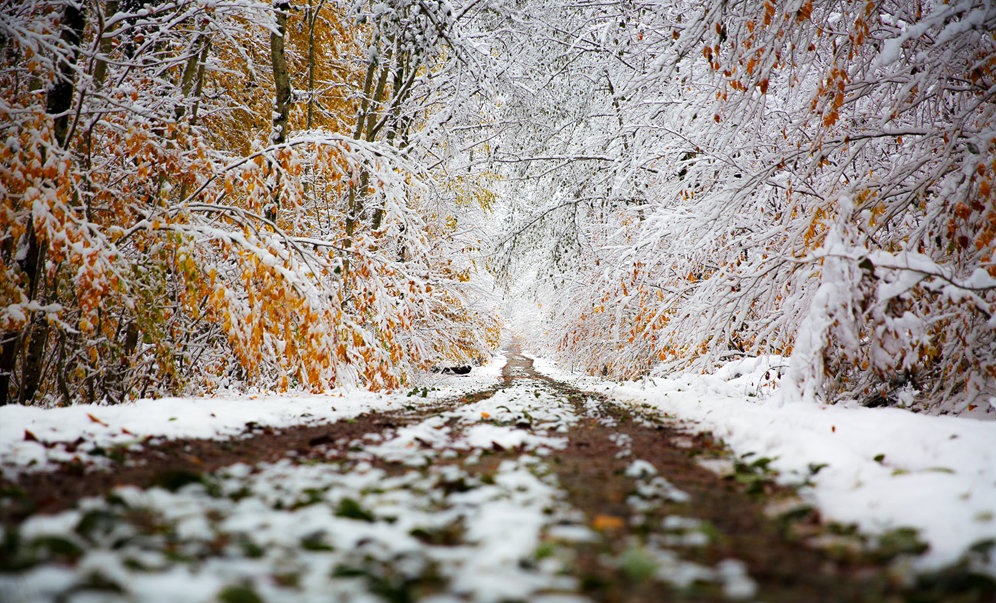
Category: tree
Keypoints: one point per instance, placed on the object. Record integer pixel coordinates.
(748, 161)
(163, 272)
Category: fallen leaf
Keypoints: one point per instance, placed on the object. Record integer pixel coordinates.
(30, 437)
(604, 523)
(485, 415)
(96, 420)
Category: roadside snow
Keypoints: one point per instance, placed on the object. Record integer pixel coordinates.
(35, 439)
(345, 530)
(878, 468)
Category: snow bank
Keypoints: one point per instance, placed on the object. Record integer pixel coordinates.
(881, 468)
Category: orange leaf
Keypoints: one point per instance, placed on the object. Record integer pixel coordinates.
(96, 420)
(604, 523)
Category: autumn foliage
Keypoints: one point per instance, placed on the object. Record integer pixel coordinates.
(154, 240)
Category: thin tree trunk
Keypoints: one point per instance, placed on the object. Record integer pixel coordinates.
(312, 19)
(106, 44)
(199, 88)
(282, 89)
(190, 73)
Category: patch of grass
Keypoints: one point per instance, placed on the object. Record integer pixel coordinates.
(815, 468)
(545, 550)
(351, 509)
(755, 475)
(348, 571)
(174, 479)
(315, 541)
(16, 499)
(238, 593)
(116, 453)
(10, 546)
(287, 579)
(250, 549)
(18, 554)
(241, 493)
(311, 496)
(797, 513)
(638, 565)
(901, 541)
(94, 522)
(955, 584)
(711, 531)
(97, 581)
(449, 535)
(455, 486)
(115, 500)
(386, 582)
(842, 529)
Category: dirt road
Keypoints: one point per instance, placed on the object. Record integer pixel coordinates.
(529, 491)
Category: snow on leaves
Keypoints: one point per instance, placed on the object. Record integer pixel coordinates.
(730, 140)
(156, 245)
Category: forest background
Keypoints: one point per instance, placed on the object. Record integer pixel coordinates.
(207, 194)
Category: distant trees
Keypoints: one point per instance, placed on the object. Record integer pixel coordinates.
(146, 149)
(787, 177)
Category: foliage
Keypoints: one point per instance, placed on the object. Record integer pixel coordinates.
(155, 242)
(716, 179)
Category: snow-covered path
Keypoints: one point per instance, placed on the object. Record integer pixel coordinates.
(531, 490)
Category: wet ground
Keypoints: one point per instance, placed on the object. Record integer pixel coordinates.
(529, 491)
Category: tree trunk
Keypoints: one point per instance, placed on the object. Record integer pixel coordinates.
(60, 96)
(282, 89)
(312, 19)
(106, 43)
(191, 71)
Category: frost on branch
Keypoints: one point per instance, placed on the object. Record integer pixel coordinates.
(700, 218)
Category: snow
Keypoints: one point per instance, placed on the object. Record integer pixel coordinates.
(225, 416)
(877, 468)
(287, 519)
(334, 525)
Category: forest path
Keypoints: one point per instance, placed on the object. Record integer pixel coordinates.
(529, 491)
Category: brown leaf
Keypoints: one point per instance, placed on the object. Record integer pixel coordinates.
(96, 420)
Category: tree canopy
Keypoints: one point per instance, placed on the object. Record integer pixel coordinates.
(235, 193)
